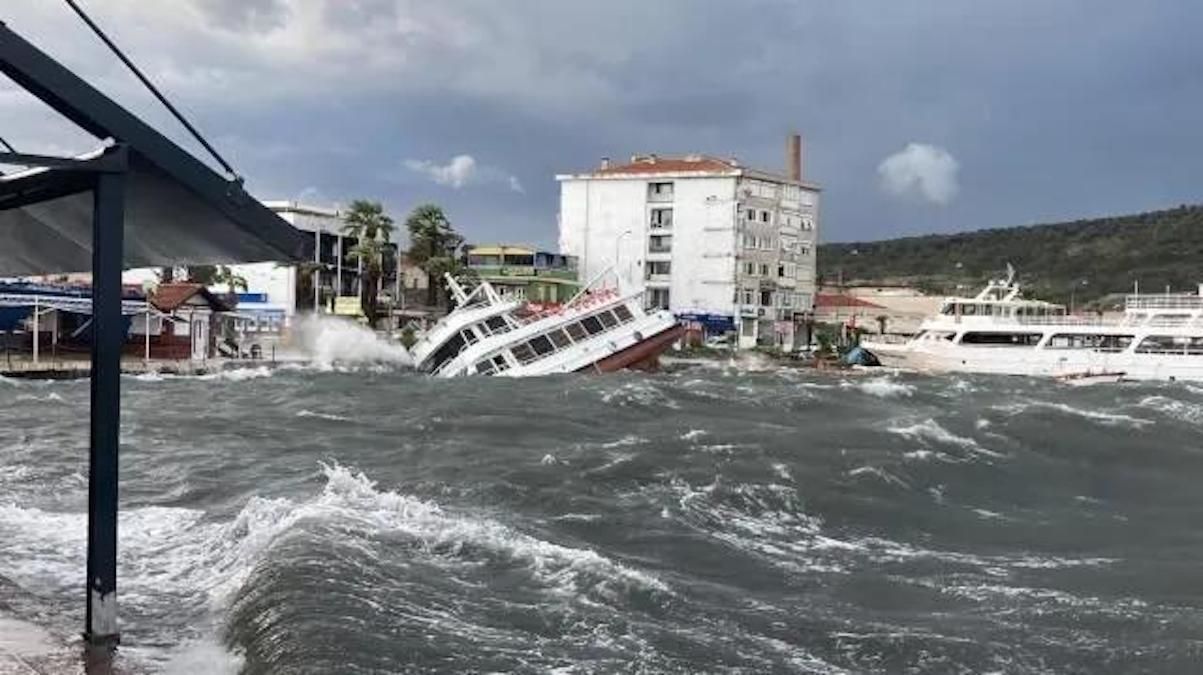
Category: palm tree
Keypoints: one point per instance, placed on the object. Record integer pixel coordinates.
(234, 282)
(372, 229)
(433, 246)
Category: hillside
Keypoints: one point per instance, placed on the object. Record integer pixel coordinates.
(1094, 257)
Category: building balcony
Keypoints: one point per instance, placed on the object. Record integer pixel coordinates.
(660, 280)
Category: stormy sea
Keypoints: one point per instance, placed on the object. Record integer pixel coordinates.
(722, 517)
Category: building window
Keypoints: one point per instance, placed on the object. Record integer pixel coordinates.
(750, 269)
(766, 298)
(748, 296)
(751, 214)
(660, 244)
(764, 269)
(804, 249)
(808, 223)
(747, 327)
(660, 192)
(765, 216)
(658, 268)
(658, 298)
(787, 299)
(661, 219)
(781, 271)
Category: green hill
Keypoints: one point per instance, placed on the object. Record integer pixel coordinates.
(1086, 258)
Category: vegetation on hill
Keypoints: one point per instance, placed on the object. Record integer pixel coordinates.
(1085, 260)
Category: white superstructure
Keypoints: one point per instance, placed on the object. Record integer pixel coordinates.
(1158, 337)
(717, 243)
(600, 329)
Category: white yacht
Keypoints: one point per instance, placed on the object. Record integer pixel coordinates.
(1158, 337)
(599, 330)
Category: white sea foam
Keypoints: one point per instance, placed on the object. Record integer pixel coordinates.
(237, 374)
(782, 471)
(202, 656)
(693, 434)
(1110, 419)
(880, 474)
(323, 416)
(330, 341)
(929, 430)
(52, 397)
(1181, 410)
(884, 387)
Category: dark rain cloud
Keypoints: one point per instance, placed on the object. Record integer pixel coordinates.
(1050, 109)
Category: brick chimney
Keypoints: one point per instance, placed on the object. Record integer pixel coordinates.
(793, 156)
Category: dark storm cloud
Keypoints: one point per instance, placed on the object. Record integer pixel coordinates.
(1048, 109)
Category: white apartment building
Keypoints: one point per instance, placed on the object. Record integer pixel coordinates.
(724, 246)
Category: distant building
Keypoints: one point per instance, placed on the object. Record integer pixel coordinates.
(525, 273)
(903, 307)
(728, 247)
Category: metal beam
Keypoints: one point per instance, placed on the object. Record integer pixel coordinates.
(101, 163)
(108, 336)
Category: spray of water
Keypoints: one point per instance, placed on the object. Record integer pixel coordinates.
(330, 341)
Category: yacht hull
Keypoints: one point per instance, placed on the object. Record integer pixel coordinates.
(643, 355)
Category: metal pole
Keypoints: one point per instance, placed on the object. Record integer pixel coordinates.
(108, 334)
(338, 283)
(317, 271)
(35, 329)
(147, 346)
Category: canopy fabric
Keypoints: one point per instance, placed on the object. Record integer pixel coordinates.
(178, 211)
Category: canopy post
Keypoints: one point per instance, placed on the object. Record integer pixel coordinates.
(108, 336)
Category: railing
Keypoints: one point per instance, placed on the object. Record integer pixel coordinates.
(1179, 301)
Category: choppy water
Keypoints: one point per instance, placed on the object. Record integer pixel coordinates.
(711, 520)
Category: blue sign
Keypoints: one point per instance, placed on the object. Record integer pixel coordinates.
(252, 297)
(711, 323)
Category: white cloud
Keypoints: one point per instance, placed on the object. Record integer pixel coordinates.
(921, 171)
(463, 170)
(455, 173)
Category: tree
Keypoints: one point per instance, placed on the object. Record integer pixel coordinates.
(234, 282)
(372, 229)
(434, 246)
(882, 319)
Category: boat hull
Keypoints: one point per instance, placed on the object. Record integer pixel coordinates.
(643, 355)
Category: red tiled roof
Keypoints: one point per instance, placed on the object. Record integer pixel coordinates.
(690, 164)
(840, 300)
(172, 296)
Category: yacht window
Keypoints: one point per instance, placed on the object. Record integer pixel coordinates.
(623, 314)
(497, 324)
(576, 331)
(542, 345)
(524, 353)
(500, 363)
(484, 368)
(607, 319)
(469, 336)
(1164, 344)
(1001, 339)
(1102, 343)
(559, 338)
(592, 325)
(448, 351)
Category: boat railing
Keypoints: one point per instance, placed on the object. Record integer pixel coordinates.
(1059, 320)
(1176, 301)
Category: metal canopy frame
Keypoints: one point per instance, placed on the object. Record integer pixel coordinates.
(105, 175)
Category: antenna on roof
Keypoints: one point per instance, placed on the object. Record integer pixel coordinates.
(154, 90)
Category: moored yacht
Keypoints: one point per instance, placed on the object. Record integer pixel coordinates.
(600, 329)
(1159, 337)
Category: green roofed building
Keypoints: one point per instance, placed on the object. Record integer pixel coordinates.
(523, 272)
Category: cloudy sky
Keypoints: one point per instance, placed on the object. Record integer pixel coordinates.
(918, 116)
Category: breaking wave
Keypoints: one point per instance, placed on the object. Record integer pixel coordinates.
(331, 341)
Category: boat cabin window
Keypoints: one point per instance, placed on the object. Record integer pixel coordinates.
(500, 363)
(497, 324)
(542, 345)
(1102, 343)
(607, 319)
(576, 331)
(1170, 344)
(623, 314)
(469, 335)
(485, 368)
(559, 338)
(524, 353)
(450, 349)
(592, 325)
(1001, 339)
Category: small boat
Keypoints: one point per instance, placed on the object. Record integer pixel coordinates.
(601, 329)
(1158, 337)
(1088, 378)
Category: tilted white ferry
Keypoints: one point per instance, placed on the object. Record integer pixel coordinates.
(599, 330)
(1159, 337)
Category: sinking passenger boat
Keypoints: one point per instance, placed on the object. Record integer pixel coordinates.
(599, 330)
